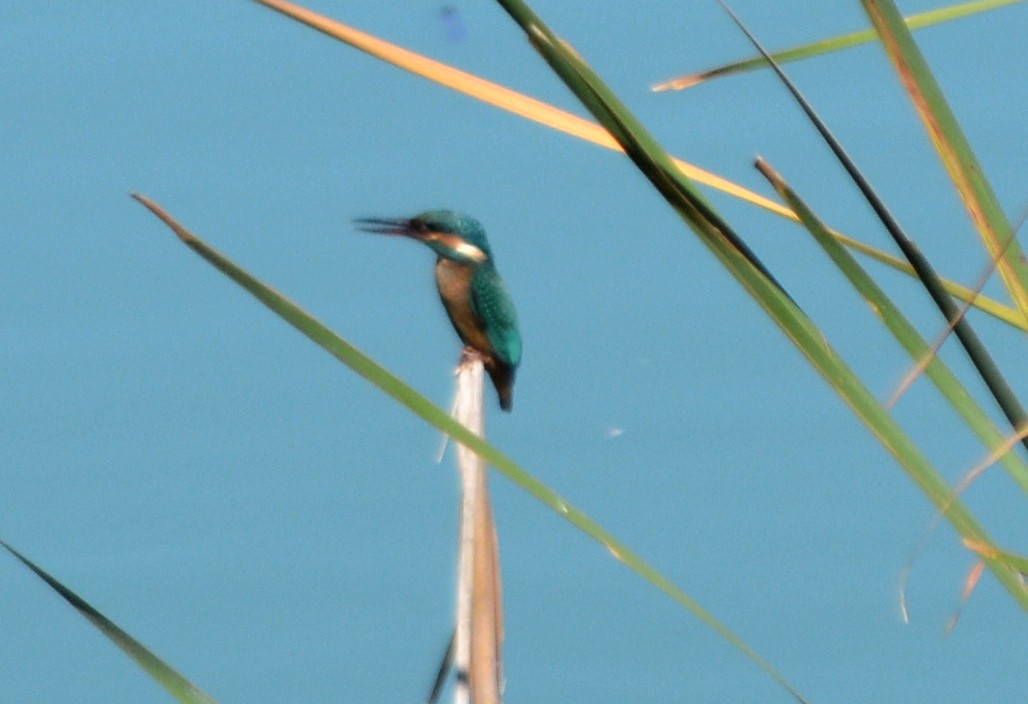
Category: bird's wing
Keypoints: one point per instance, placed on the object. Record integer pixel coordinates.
(495, 311)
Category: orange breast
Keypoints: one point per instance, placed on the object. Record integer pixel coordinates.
(454, 283)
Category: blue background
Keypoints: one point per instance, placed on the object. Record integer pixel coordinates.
(277, 529)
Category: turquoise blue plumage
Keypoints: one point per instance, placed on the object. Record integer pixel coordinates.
(470, 287)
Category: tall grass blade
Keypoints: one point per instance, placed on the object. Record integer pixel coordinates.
(953, 148)
(919, 367)
(441, 673)
(1001, 312)
(487, 91)
(655, 164)
(905, 333)
(946, 501)
(976, 350)
(175, 684)
(827, 46)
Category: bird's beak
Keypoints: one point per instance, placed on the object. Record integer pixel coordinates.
(387, 226)
(417, 230)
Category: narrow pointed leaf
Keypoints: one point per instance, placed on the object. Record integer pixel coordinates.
(655, 164)
(175, 684)
(890, 315)
(489, 92)
(827, 46)
(953, 148)
(1005, 313)
(441, 673)
(978, 353)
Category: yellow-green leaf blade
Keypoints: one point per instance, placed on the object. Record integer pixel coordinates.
(953, 148)
(901, 328)
(827, 46)
(1008, 315)
(655, 163)
(175, 684)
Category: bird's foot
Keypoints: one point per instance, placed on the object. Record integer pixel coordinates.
(468, 356)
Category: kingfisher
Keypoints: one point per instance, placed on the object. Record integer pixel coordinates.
(470, 287)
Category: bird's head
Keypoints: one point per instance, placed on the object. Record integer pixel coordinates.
(451, 235)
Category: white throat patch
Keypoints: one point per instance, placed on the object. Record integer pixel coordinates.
(460, 246)
(471, 251)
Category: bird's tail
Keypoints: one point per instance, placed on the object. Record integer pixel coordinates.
(503, 380)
